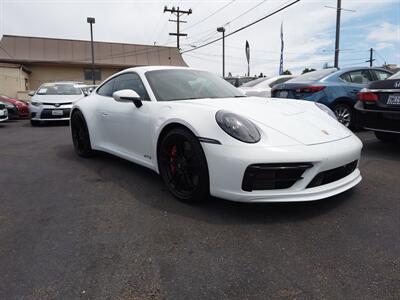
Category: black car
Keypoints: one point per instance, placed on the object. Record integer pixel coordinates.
(379, 108)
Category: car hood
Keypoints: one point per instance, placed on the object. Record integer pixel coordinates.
(302, 121)
(56, 98)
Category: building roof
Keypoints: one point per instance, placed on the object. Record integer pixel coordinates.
(32, 50)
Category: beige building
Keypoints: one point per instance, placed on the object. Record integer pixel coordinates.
(27, 62)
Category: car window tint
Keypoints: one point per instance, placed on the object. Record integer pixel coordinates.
(381, 75)
(360, 76)
(346, 77)
(107, 88)
(131, 81)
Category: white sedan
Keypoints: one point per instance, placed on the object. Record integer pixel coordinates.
(261, 87)
(204, 137)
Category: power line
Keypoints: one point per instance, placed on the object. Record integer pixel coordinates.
(244, 27)
(247, 11)
(209, 16)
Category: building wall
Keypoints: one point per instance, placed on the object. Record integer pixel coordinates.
(42, 73)
(12, 80)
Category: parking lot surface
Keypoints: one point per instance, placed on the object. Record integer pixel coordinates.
(104, 228)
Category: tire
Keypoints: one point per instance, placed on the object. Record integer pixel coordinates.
(183, 166)
(35, 123)
(80, 135)
(345, 114)
(387, 137)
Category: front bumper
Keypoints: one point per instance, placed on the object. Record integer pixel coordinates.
(44, 112)
(227, 166)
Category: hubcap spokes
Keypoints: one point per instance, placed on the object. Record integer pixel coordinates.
(343, 115)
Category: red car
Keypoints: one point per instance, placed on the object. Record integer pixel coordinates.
(21, 106)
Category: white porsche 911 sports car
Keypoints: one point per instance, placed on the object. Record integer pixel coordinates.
(204, 137)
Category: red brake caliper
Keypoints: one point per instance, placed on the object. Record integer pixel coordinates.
(172, 164)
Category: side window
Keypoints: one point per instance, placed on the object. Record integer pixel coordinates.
(107, 89)
(346, 77)
(381, 75)
(360, 76)
(131, 81)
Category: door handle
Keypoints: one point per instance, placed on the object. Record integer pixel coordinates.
(104, 115)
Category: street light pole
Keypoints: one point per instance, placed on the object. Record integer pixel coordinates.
(337, 38)
(91, 21)
(222, 29)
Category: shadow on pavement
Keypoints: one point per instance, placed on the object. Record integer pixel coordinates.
(147, 187)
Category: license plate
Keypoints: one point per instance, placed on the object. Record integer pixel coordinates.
(283, 94)
(57, 112)
(393, 100)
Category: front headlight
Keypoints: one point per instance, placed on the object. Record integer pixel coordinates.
(326, 109)
(237, 127)
(36, 103)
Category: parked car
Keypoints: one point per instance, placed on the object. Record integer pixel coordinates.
(22, 107)
(238, 81)
(3, 112)
(335, 88)
(53, 101)
(12, 109)
(203, 136)
(379, 107)
(261, 87)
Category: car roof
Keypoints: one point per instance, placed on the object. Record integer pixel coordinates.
(154, 68)
(62, 82)
(347, 69)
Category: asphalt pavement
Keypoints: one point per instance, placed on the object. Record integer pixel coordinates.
(105, 228)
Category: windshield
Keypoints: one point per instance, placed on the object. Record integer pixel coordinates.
(183, 84)
(313, 76)
(59, 89)
(395, 76)
(254, 82)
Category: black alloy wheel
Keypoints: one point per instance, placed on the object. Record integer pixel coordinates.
(183, 166)
(80, 135)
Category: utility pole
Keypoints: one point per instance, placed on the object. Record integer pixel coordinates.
(338, 11)
(91, 21)
(371, 55)
(337, 39)
(178, 13)
(222, 29)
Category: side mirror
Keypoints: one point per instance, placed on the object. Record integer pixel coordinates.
(128, 96)
(31, 93)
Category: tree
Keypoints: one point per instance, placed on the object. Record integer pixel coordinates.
(306, 70)
(287, 72)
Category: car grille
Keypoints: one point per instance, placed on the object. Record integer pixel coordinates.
(57, 104)
(273, 176)
(332, 175)
(47, 114)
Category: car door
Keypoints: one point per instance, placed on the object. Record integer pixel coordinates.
(356, 80)
(125, 127)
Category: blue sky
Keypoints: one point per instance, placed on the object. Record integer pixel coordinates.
(309, 29)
